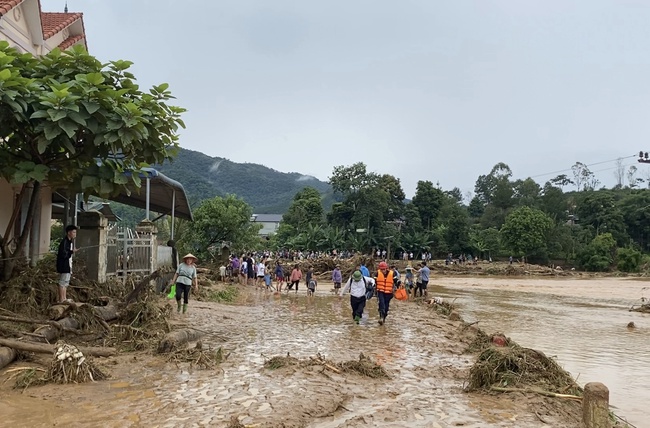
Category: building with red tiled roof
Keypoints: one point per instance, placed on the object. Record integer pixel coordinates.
(28, 29)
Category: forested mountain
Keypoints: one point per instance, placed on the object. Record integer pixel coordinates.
(265, 189)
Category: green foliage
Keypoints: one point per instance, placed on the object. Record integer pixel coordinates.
(629, 259)
(78, 125)
(226, 295)
(599, 255)
(485, 241)
(305, 209)
(220, 221)
(428, 200)
(525, 231)
(63, 111)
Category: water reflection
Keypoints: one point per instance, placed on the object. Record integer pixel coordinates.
(585, 331)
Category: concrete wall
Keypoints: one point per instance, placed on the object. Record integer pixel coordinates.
(21, 27)
(267, 227)
(43, 218)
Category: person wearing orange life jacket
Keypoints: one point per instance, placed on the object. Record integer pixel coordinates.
(384, 290)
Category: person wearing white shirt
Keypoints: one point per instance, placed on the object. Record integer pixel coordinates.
(357, 287)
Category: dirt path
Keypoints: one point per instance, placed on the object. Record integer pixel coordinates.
(421, 350)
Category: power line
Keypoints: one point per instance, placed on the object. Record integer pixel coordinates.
(591, 164)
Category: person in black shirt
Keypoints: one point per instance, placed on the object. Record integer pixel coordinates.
(64, 261)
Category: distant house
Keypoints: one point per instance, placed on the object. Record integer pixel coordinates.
(269, 222)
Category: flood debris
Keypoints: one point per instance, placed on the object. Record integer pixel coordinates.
(441, 305)
(198, 356)
(517, 367)
(70, 365)
(364, 366)
(279, 362)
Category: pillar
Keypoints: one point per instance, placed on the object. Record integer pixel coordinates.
(595, 406)
(91, 241)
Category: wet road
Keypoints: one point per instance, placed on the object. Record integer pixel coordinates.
(417, 347)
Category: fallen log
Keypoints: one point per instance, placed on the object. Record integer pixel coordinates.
(57, 312)
(144, 282)
(108, 312)
(50, 333)
(172, 340)
(537, 391)
(44, 348)
(7, 355)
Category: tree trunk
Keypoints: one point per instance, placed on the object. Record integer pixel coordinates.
(24, 234)
(9, 256)
(45, 348)
(7, 355)
(133, 295)
(179, 337)
(60, 311)
(51, 333)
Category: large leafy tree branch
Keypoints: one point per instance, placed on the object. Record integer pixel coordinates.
(76, 124)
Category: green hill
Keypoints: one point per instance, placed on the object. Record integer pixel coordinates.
(268, 191)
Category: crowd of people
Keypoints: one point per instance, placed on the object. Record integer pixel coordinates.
(278, 275)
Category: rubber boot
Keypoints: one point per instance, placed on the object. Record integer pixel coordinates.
(178, 306)
(185, 308)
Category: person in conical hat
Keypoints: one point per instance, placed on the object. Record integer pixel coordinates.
(184, 278)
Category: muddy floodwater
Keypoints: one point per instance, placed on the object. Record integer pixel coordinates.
(581, 321)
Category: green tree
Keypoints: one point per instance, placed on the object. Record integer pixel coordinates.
(553, 202)
(600, 210)
(599, 255)
(455, 219)
(525, 231)
(393, 188)
(485, 241)
(629, 259)
(60, 114)
(635, 208)
(221, 220)
(526, 192)
(428, 200)
(305, 209)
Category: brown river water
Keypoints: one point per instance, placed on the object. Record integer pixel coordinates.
(581, 321)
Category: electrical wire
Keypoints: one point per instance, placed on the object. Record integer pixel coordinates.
(588, 165)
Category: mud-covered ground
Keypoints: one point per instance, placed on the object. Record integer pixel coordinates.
(422, 351)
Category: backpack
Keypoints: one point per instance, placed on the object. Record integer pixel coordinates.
(370, 288)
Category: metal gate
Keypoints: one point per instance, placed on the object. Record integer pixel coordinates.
(128, 252)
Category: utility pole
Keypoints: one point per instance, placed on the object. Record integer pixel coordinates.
(643, 157)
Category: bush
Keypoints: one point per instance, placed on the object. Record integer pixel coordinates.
(599, 255)
(629, 259)
(597, 263)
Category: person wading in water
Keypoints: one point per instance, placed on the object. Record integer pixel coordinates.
(385, 285)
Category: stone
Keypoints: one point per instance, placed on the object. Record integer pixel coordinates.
(455, 316)
(595, 406)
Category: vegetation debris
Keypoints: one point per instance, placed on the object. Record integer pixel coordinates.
(197, 356)
(516, 366)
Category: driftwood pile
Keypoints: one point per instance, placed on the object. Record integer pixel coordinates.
(133, 318)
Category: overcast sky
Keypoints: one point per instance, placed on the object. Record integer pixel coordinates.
(422, 90)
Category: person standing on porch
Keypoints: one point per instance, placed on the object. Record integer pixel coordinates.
(64, 261)
(184, 278)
